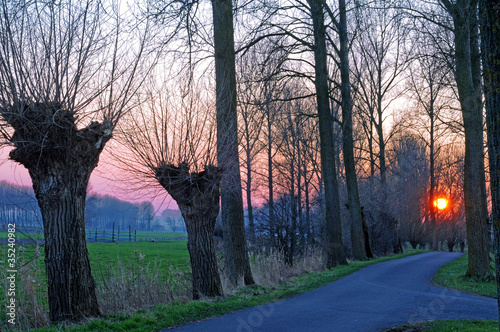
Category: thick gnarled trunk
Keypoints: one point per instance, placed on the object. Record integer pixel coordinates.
(60, 159)
(197, 195)
(61, 194)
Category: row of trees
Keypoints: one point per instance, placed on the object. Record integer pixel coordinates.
(338, 104)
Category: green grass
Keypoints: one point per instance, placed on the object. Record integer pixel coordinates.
(104, 255)
(140, 235)
(22, 235)
(447, 325)
(106, 258)
(159, 235)
(462, 325)
(167, 253)
(163, 316)
(452, 275)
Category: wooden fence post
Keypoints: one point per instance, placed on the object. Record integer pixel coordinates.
(113, 235)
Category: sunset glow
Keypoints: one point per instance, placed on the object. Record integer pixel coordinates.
(441, 203)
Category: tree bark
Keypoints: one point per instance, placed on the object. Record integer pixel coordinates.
(251, 222)
(432, 157)
(197, 195)
(60, 159)
(489, 15)
(334, 248)
(236, 257)
(270, 182)
(468, 77)
(357, 240)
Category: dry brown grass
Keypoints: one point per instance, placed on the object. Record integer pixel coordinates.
(129, 288)
(270, 268)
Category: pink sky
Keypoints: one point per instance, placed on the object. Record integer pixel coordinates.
(99, 182)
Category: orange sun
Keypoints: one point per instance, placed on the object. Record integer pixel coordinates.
(441, 203)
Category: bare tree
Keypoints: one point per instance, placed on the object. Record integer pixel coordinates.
(409, 185)
(357, 237)
(251, 128)
(334, 248)
(461, 18)
(468, 77)
(169, 141)
(489, 14)
(236, 256)
(66, 78)
(430, 88)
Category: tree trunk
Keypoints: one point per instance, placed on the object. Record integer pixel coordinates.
(251, 223)
(197, 195)
(357, 239)
(236, 257)
(469, 89)
(366, 235)
(334, 248)
(308, 239)
(489, 15)
(60, 159)
(61, 196)
(270, 184)
(432, 157)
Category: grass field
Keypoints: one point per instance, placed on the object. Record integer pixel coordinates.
(22, 235)
(140, 235)
(159, 235)
(163, 254)
(104, 255)
(160, 268)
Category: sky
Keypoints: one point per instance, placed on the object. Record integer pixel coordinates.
(100, 183)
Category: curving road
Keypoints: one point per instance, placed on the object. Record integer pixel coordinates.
(379, 296)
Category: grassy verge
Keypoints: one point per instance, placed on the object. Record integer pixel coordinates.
(452, 274)
(449, 325)
(175, 313)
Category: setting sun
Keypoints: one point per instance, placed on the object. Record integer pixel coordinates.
(441, 203)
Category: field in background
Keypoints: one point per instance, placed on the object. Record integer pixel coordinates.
(141, 236)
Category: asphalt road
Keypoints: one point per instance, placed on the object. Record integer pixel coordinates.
(379, 296)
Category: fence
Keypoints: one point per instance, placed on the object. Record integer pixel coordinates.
(111, 236)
